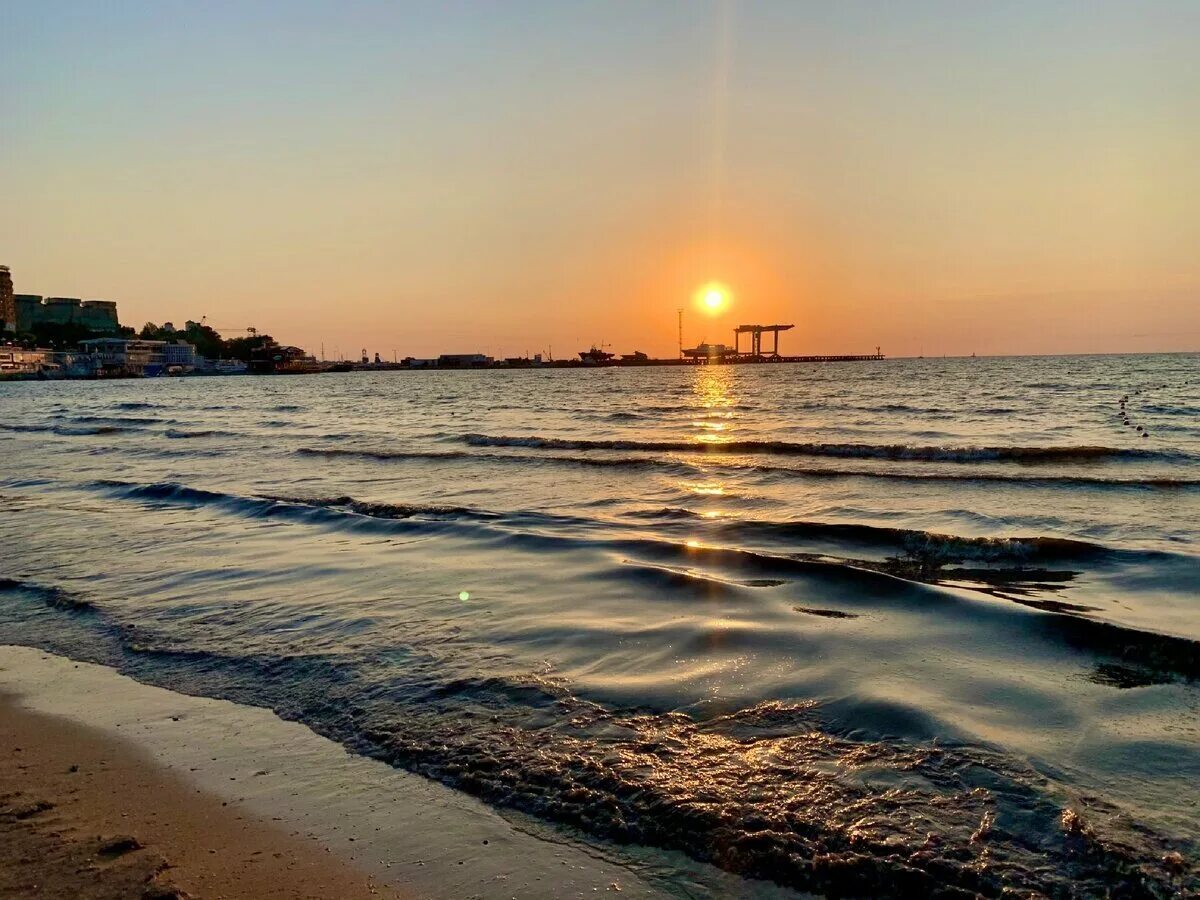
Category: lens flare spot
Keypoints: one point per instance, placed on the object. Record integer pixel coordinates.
(464, 596)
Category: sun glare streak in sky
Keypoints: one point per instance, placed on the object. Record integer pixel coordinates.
(722, 73)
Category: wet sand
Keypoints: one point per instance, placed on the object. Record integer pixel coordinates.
(231, 801)
(88, 816)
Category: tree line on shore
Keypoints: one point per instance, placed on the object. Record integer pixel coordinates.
(207, 341)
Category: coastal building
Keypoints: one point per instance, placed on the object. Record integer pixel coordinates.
(221, 366)
(275, 358)
(8, 306)
(22, 312)
(19, 361)
(180, 356)
(463, 360)
(95, 315)
(130, 357)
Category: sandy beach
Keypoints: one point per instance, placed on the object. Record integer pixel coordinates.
(113, 788)
(88, 816)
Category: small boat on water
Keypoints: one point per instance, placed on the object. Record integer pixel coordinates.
(595, 356)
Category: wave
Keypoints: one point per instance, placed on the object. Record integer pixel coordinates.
(71, 430)
(1048, 454)
(631, 462)
(906, 553)
(387, 510)
(315, 509)
(137, 404)
(918, 559)
(929, 546)
(114, 420)
(183, 433)
(681, 466)
(51, 596)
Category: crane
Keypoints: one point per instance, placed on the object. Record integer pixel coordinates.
(249, 329)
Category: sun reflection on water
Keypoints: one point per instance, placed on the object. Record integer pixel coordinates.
(712, 386)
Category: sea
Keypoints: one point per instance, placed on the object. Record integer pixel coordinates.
(882, 628)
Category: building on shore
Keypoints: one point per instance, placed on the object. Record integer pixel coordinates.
(207, 366)
(273, 358)
(180, 357)
(94, 315)
(8, 305)
(19, 361)
(21, 313)
(464, 360)
(129, 357)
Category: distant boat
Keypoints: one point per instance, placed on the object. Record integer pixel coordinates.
(710, 351)
(595, 355)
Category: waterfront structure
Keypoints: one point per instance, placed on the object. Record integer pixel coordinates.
(8, 306)
(19, 361)
(133, 357)
(756, 332)
(221, 366)
(180, 356)
(273, 358)
(521, 362)
(464, 360)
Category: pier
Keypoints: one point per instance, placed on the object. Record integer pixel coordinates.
(736, 359)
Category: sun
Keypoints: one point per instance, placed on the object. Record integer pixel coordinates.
(713, 297)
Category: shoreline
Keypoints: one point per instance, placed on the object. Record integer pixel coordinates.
(184, 775)
(89, 816)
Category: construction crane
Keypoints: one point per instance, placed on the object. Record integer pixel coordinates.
(249, 329)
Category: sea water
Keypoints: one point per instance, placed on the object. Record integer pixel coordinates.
(856, 628)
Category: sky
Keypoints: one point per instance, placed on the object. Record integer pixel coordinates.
(509, 177)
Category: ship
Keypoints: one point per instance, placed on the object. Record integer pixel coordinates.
(710, 351)
(595, 356)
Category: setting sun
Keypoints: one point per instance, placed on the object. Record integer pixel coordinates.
(713, 297)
